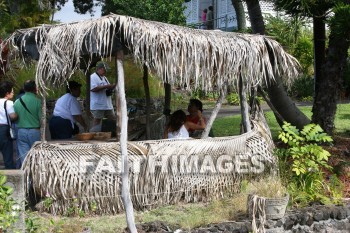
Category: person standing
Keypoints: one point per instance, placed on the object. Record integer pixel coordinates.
(204, 18)
(7, 114)
(67, 111)
(210, 18)
(100, 95)
(28, 109)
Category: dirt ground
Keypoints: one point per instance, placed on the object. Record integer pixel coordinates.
(340, 161)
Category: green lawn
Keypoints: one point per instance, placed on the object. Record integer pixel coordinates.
(228, 126)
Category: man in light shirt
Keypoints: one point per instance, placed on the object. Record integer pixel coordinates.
(100, 95)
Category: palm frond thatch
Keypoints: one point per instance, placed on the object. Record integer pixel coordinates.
(179, 55)
(57, 170)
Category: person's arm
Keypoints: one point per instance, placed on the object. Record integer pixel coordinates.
(13, 116)
(103, 87)
(166, 131)
(201, 123)
(80, 120)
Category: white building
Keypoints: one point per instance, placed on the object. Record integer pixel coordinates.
(224, 13)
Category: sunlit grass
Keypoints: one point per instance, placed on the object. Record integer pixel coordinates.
(228, 126)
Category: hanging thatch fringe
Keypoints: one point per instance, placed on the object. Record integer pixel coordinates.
(179, 54)
(161, 171)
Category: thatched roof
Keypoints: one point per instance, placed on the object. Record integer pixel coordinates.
(179, 55)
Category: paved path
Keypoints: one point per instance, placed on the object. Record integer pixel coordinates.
(228, 110)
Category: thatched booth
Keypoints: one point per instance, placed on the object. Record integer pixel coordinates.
(160, 172)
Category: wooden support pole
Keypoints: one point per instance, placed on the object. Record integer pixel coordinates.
(129, 210)
(215, 111)
(244, 106)
(148, 102)
(43, 116)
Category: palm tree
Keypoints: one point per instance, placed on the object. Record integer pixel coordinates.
(278, 95)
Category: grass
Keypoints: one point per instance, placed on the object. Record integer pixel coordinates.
(228, 126)
(184, 216)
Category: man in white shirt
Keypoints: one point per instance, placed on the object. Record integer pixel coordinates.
(100, 95)
(67, 111)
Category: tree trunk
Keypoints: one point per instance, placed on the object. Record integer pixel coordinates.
(240, 14)
(319, 31)
(148, 101)
(129, 210)
(278, 95)
(327, 94)
(285, 106)
(255, 16)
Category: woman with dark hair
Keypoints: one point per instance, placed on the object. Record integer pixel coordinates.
(178, 125)
(195, 110)
(7, 114)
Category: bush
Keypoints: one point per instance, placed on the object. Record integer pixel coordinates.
(232, 99)
(302, 88)
(9, 209)
(303, 161)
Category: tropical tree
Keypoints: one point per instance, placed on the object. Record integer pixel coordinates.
(22, 14)
(167, 11)
(326, 83)
(279, 98)
(240, 14)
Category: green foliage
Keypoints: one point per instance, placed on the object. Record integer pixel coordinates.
(31, 222)
(302, 87)
(293, 34)
(134, 81)
(303, 161)
(21, 14)
(303, 51)
(307, 156)
(340, 22)
(232, 99)
(9, 209)
(167, 11)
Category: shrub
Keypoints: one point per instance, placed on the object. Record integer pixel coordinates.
(232, 99)
(302, 87)
(9, 209)
(303, 162)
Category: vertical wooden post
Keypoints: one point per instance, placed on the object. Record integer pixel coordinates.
(129, 210)
(215, 111)
(167, 98)
(117, 102)
(148, 101)
(244, 106)
(43, 115)
(87, 91)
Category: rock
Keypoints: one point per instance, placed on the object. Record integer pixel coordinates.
(318, 215)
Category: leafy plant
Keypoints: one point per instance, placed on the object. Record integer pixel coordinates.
(9, 208)
(307, 155)
(303, 162)
(303, 87)
(232, 99)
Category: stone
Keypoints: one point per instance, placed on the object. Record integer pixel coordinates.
(307, 219)
(333, 212)
(279, 223)
(342, 214)
(15, 179)
(289, 222)
(318, 215)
